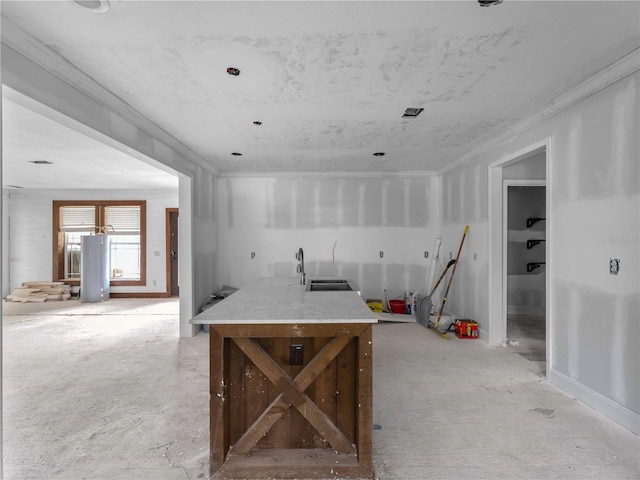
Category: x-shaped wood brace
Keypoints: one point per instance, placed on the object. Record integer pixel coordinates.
(292, 393)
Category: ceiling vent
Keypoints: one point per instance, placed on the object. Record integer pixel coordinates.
(488, 3)
(378, 154)
(412, 112)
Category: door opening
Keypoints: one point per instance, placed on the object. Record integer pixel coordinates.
(526, 167)
(525, 267)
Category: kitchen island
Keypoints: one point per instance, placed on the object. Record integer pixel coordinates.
(290, 383)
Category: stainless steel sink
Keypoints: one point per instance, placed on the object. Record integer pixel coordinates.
(328, 287)
(327, 280)
(331, 285)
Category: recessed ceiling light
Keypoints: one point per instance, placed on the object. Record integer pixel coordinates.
(236, 154)
(412, 112)
(257, 123)
(41, 162)
(95, 6)
(488, 3)
(379, 154)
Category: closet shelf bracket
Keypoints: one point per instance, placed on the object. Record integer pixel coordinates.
(532, 221)
(531, 266)
(533, 243)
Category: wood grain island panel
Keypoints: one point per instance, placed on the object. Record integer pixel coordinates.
(271, 419)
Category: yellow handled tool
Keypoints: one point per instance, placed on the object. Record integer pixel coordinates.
(444, 299)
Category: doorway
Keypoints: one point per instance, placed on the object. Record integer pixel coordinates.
(525, 266)
(173, 288)
(528, 166)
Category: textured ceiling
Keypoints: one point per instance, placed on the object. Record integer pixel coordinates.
(330, 80)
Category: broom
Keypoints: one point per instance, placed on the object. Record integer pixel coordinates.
(453, 272)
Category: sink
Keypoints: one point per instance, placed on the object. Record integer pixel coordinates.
(327, 280)
(331, 285)
(328, 287)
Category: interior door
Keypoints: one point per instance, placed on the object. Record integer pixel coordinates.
(172, 252)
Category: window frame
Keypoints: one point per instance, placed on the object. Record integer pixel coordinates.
(99, 205)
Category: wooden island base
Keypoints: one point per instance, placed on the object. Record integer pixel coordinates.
(271, 419)
(292, 463)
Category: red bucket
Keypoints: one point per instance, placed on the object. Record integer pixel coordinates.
(397, 306)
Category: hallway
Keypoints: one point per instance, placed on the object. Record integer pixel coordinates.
(109, 391)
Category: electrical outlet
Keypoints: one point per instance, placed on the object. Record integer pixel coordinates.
(614, 266)
(296, 354)
(253, 255)
(381, 254)
(426, 254)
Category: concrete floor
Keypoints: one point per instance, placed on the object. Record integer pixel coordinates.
(108, 391)
(526, 336)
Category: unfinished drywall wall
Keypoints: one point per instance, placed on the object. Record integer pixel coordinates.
(204, 221)
(526, 290)
(594, 215)
(341, 222)
(464, 202)
(528, 168)
(5, 243)
(30, 216)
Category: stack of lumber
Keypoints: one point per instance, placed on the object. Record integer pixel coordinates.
(40, 292)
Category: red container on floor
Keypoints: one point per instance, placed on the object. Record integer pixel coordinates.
(466, 328)
(397, 306)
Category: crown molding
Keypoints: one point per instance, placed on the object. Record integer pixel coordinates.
(331, 174)
(601, 80)
(33, 49)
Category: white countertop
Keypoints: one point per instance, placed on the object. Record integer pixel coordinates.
(285, 301)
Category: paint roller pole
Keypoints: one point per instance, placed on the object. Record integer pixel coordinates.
(453, 272)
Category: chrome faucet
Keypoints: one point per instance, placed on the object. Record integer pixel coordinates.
(300, 268)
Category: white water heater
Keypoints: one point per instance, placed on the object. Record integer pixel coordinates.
(94, 269)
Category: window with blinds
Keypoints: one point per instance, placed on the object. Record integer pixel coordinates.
(123, 221)
(122, 224)
(78, 219)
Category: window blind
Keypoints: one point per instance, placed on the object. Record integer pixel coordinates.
(122, 219)
(77, 219)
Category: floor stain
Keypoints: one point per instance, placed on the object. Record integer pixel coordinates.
(545, 412)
